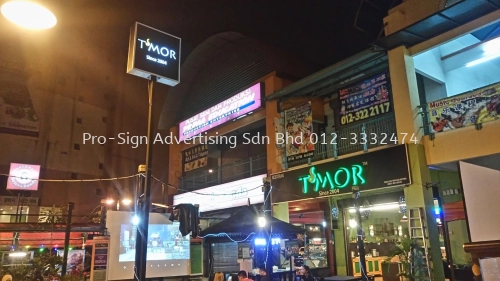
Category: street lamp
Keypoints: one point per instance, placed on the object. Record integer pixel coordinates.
(29, 15)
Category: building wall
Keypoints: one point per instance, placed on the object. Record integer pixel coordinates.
(80, 86)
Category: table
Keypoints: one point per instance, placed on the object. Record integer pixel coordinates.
(343, 278)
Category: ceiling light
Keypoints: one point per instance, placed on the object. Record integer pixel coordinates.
(18, 254)
(126, 201)
(28, 15)
(353, 223)
(261, 221)
(483, 59)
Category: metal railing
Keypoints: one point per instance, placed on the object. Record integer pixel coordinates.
(237, 170)
(379, 132)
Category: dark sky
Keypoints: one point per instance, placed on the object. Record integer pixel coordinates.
(318, 32)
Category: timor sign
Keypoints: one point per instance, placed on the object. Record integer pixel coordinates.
(383, 168)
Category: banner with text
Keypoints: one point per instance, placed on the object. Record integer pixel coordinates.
(366, 171)
(235, 107)
(367, 99)
(299, 129)
(479, 106)
(195, 157)
(229, 195)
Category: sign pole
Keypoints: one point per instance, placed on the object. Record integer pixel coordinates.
(145, 198)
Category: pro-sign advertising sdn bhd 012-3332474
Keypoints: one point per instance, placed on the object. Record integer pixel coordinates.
(154, 53)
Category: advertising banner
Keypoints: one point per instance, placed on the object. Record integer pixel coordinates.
(154, 52)
(195, 157)
(228, 195)
(367, 99)
(23, 177)
(76, 261)
(100, 252)
(479, 106)
(299, 129)
(232, 108)
(383, 168)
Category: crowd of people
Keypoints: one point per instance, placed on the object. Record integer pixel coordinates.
(302, 274)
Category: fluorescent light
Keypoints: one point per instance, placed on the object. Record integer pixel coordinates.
(382, 207)
(135, 220)
(483, 59)
(260, 241)
(492, 47)
(261, 221)
(18, 254)
(353, 223)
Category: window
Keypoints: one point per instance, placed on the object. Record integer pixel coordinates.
(101, 166)
(76, 146)
(104, 119)
(79, 120)
(81, 99)
(74, 176)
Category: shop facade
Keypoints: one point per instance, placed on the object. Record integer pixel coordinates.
(448, 73)
(380, 177)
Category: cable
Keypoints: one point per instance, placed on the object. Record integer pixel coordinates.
(223, 233)
(85, 180)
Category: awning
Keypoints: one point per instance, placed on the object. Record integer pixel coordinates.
(244, 223)
(336, 76)
(443, 21)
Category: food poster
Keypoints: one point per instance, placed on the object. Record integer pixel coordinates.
(479, 106)
(299, 132)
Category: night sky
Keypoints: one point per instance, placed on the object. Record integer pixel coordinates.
(318, 32)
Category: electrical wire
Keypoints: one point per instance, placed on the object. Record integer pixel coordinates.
(72, 180)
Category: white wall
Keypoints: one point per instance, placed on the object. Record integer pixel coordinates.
(481, 193)
(452, 71)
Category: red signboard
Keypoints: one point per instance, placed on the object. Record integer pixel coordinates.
(23, 177)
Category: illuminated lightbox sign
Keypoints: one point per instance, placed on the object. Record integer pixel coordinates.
(232, 108)
(224, 196)
(23, 177)
(383, 168)
(154, 53)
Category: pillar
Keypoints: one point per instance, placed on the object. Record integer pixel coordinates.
(417, 195)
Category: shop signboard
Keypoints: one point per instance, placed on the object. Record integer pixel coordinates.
(195, 157)
(478, 106)
(235, 107)
(21, 201)
(233, 194)
(299, 130)
(382, 168)
(368, 99)
(100, 252)
(23, 177)
(154, 53)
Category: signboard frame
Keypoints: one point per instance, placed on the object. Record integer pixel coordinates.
(220, 120)
(297, 184)
(134, 69)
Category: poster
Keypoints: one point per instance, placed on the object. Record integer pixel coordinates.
(195, 157)
(364, 100)
(479, 106)
(17, 112)
(299, 129)
(76, 261)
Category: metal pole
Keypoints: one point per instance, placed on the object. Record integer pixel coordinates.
(361, 244)
(145, 201)
(267, 215)
(71, 205)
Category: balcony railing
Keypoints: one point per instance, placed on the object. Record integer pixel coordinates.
(379, 132)
(237, 170)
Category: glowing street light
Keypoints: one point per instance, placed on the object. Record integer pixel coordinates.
(261, 221)
(126, 201)
(29, 15)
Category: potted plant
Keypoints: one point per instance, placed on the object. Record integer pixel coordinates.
(401, 253)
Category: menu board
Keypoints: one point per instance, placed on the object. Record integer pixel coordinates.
(365, 100)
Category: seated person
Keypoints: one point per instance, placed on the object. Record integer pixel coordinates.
(305, 274)
(263, 273)
(242, 276)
